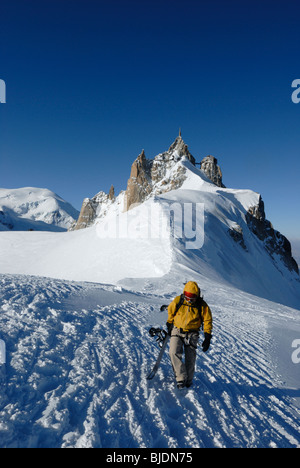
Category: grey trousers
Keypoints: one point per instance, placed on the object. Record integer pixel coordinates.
(183, 370)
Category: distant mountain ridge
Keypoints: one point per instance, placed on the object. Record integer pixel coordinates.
(178, 222)
(38, 209)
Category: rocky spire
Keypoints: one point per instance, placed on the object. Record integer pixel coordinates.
(111, 193)
(275, 242)
(181, 148)
(158, 175)
(139, 184)
(92, 208)
(209, 165)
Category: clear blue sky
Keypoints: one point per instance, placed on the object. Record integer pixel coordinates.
(91, 83)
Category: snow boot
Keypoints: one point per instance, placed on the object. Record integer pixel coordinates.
(180, 385)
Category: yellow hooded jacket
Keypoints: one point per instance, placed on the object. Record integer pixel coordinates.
(187, 317)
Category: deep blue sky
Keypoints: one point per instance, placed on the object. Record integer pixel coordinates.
(91, 83)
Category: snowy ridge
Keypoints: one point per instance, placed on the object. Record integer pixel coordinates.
(93, 254)
(79, 355)
(248, 267)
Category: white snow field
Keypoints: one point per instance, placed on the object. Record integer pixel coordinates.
(76, 307)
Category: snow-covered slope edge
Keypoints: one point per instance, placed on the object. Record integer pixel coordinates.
(31, 208)
(78, 355)
(244, 263)
(138, 244)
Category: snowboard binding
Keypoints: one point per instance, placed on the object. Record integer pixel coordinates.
(160, 335)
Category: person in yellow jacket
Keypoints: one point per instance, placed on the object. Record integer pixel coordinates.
(186, 314)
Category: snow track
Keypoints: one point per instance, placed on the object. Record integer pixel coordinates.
(77, 359)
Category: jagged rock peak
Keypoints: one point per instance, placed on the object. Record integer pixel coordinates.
(111, 193)
(139, 184)
(275, 242)
(158, 175)
(93, 208)
(209, 165)
(181, 149)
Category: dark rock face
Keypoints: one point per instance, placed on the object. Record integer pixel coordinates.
(151, 176)
(236, 233)
(275, 242)
(91, 207)
(86, 216)
(209, 165)
(139, 185)
(4, 220)
(111, 193)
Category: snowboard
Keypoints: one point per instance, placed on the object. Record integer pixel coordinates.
(156, 365)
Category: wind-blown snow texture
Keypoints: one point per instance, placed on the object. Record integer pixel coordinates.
(78, 350)
(78, 356)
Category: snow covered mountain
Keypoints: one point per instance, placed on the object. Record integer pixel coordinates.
(37, 209)
(227, 234)
(167, 172)
(76, 307)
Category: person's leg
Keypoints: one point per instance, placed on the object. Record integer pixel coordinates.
(176, 351)
(190, 357)
(190, 362)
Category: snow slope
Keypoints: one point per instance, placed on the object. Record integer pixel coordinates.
(138, 244)
(84, 255)
(220, 258)
(34, 208)
(78, 355)
(76, 307)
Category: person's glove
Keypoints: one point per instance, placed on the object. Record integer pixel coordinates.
(169, 327)
(206, 342)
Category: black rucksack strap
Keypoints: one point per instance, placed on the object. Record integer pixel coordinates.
(180, 302)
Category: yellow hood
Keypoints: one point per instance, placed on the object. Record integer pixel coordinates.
(192, 287)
